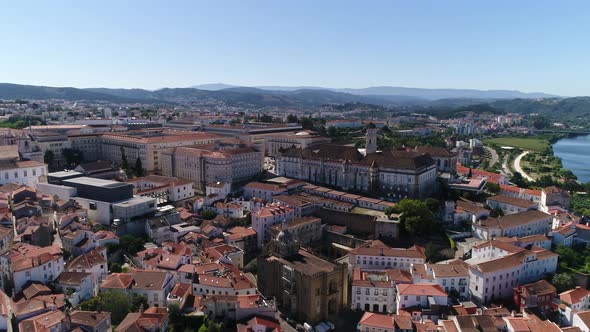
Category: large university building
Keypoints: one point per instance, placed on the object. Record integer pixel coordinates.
(397, 174)
(220, 162)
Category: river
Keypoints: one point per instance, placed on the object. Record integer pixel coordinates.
(575, 155)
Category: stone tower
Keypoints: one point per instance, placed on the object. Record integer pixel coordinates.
(371, 144)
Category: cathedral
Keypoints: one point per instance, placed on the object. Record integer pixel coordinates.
(390, 173)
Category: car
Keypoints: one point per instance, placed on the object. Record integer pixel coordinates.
(331, 325)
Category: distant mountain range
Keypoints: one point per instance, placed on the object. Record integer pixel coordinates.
(428, 94)
(287, 97)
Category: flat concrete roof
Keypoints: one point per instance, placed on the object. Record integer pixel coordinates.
(64, 174)
(84, 180)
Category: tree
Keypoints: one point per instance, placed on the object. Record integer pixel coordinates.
(266, 118)
(48, 157)
(73, 157)
(124, 162)
(307, 123)
(138, 169)
(132, 244)
(416, 218)
(115, 268)
(291, 118)
(492, 188)
(117, 303)
(208, 214)
(563, 282)
(433, 204)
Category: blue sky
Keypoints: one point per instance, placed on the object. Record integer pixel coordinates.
(525, 45)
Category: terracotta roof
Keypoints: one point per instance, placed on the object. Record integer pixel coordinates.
(88, 318)
(420, 289)
(88, 260)
(378, 248)
(524, 203)
(574, 296)
(514, 220)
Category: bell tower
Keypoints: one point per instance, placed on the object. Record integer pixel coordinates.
(371, 144)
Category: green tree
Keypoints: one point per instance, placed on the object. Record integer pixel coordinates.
(48, 157)
(138, 169)
(291, 118)
(563, 282)
(208, 214)
(117, 303)
(124, 162)
(73, 157)
(492, 188)
(132, 244)
(416, 217)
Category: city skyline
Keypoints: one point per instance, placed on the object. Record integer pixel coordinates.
(525, 46)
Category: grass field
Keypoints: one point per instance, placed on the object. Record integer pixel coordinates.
(533, 144)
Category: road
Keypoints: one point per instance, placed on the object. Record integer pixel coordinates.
(517, 166)
(494, 155)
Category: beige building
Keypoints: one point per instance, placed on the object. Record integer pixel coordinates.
(308, 287)
(149, 144)
(220, 162)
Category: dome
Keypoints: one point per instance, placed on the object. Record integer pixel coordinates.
(302, 133)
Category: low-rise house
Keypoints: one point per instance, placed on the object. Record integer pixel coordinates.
(420, 295)
(154, 285)
(564, 235)
(378, 256)
(77, 286)
(26, 263)
(385, 323)
(54, 320)
(260, 324)
(581, 320)
(94, 262)
(237, 307)
(153, 319)
(6, 238)
(222, 279)
(241, 237)
(224, 253)
(574, 300)
(91, 321)
(228, 210)
(375, 290)
(453, 278)
(538, 294)
(510, 205)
